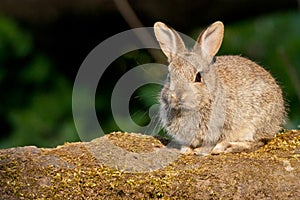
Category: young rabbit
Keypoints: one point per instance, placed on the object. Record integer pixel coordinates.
(212, 104)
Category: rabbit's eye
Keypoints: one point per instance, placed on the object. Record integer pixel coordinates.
(198, 77)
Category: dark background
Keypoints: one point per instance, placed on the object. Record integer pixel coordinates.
(43, 43)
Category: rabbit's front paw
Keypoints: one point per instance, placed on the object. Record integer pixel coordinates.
(203, 151)
(200, 151)
(220, 148)
(234, 147)
(186, 150)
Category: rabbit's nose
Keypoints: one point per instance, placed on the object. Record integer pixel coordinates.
(174, 96)
(177, 97)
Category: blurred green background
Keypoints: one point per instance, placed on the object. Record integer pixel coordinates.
(42, 45)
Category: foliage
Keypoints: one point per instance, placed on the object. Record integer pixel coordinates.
(36, 99)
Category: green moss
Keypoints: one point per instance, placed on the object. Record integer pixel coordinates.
(71, 172)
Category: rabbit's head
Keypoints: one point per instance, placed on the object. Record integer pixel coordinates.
(191, 78)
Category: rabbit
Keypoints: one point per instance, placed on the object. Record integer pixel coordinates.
(216, 104)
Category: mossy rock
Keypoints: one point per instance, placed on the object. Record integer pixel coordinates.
(93, 170)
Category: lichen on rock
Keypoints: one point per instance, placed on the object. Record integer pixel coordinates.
(93, 170)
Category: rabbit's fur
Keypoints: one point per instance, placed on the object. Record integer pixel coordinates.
(216, 104)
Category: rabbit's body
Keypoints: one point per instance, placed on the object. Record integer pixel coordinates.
(217, 105)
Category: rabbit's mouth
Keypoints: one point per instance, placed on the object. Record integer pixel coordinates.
(178, 103)
(181, 107)
(177, 113)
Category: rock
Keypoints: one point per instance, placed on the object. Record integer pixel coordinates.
(135, 166)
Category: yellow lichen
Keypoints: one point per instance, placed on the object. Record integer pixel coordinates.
(71, 172)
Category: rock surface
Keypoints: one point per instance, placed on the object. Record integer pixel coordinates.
(134, 166)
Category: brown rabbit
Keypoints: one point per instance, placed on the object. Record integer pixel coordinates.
(216, 104)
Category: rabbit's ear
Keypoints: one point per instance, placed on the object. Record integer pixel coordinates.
(210, 40)
(169, 40)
